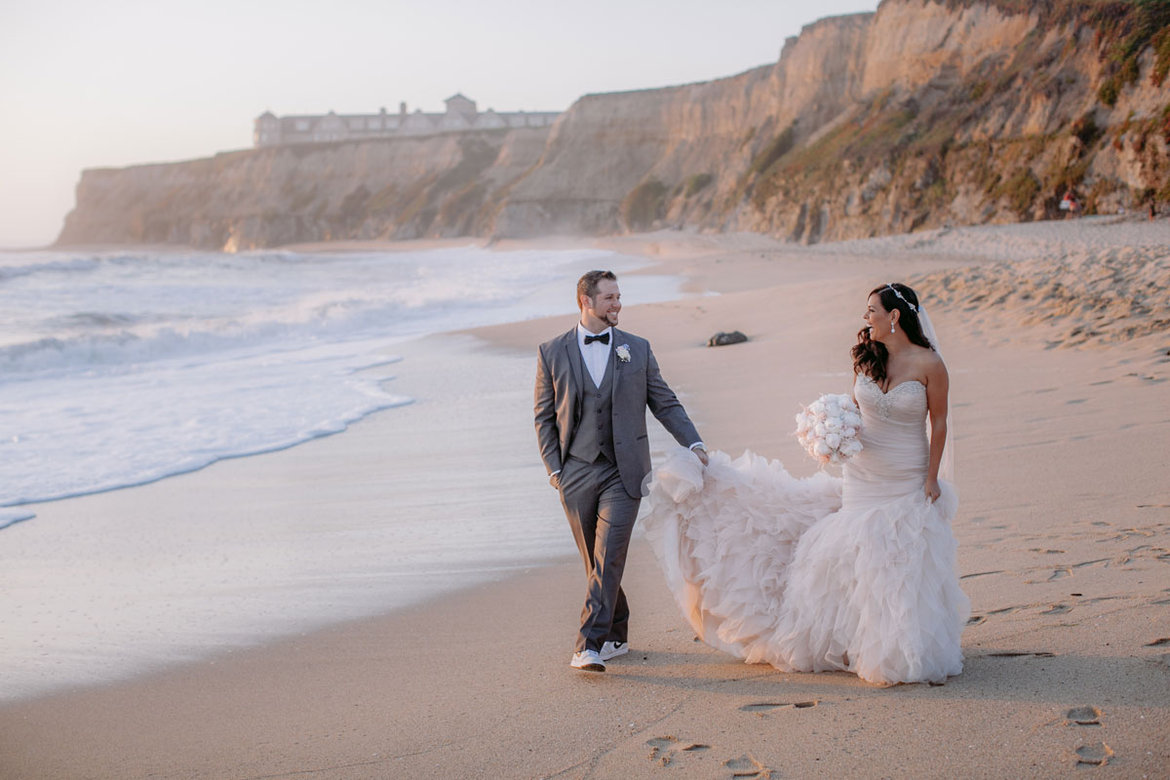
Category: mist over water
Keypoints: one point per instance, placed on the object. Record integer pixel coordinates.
(118, 368)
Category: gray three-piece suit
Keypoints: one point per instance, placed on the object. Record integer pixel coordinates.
(595, 436)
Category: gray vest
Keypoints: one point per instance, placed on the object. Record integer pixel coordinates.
(594, 433)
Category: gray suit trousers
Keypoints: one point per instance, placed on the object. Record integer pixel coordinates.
(601, 515)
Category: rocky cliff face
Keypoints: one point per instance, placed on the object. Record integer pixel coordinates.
(972, 112)
(392, 188)
(924, 113)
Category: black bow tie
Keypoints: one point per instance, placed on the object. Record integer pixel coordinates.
(603, 338)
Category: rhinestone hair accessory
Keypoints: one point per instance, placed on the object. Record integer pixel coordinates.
(894, 290)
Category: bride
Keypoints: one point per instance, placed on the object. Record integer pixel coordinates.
(854, 573)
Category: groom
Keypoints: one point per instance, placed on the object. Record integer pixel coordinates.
(593, 386)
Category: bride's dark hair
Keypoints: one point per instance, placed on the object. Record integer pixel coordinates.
(869, 356)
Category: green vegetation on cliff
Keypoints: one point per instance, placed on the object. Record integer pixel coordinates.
(644, 205)
(903, 157)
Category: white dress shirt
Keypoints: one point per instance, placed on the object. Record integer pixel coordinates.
(595, 354)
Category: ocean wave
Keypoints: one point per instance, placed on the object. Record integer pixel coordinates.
(194, 309)
(10, 517)
(88, 341)
(123, 368)
(15, 268)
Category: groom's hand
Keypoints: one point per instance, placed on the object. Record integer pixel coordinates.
(555, 480)
(702, 453)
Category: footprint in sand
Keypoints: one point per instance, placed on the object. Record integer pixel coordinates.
(975, 620)
(1003, 610)
(980, 574)
(1129, 533)
(767, 706)
(1057, 609)
(747, 766)
(657, 744)
(665, 749)
(1096, 754)
(1060, 574)
(1083, 716)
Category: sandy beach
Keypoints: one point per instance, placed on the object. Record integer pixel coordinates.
(1057, 336)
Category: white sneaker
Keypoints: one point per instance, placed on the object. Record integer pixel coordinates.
(588, 660)
(613, 650)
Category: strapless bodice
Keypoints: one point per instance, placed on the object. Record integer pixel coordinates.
(903, 404)
(893, 436)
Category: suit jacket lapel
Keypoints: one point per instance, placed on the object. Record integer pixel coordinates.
(614, 363)
(576, 366)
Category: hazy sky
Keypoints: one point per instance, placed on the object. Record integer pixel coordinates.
(99, 83)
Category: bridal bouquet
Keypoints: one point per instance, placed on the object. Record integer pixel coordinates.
(827, 428)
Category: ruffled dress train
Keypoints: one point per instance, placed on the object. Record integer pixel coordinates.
(854, 573)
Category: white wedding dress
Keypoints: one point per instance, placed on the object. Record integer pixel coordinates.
(824, 573)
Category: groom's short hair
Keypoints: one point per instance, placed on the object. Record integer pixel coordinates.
(587, 284)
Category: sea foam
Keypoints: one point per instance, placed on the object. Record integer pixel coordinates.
(119, 368)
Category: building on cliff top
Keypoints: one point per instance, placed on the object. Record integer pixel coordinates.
(461, 115)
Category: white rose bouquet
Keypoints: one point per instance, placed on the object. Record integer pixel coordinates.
(827, 428)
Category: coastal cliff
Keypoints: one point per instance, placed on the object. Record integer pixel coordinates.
(404, 188)
(925, 113)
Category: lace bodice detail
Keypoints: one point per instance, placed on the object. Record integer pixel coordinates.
(905, 401)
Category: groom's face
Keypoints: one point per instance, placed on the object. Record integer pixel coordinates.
(605, 305)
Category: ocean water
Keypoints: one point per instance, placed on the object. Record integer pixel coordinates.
(121, 368)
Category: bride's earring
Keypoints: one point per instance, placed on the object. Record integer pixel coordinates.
(893, 330)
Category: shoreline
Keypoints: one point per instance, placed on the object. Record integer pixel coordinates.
(1059, 531)
(196, 536)
(316, 525)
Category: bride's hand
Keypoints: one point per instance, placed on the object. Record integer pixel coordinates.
(931, 489)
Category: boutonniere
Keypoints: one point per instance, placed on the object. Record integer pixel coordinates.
(623, 353)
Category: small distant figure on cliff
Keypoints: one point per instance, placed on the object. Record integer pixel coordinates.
(1153, 208)
(1069, 203)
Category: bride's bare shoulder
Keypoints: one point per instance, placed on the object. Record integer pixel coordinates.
(929, 363)
(932, 366)
(930, 357)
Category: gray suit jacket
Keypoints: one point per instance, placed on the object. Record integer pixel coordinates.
(637, 385)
